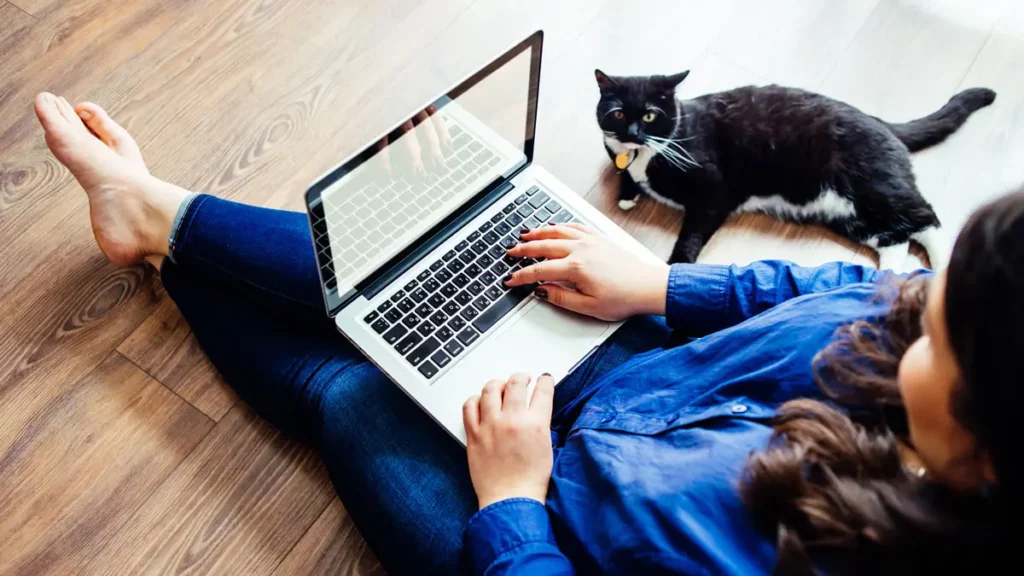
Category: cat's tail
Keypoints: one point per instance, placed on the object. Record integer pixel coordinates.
(936, 127)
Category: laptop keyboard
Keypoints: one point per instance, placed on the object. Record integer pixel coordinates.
(459, 297)
(372, 218)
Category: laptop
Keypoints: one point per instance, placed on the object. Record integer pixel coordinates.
(411, 243)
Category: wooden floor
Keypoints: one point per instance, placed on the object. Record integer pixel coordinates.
(121, 450)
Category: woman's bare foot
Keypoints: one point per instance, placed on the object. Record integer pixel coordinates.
(131, 211)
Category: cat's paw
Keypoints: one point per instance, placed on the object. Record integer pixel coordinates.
(627, 205)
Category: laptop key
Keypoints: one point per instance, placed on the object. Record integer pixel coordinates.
(408, 343)
(380, 326)
(485, 227)
(461, 280)
(453, 348)
(384, 306)
(508, 242)
(493, 292)
(419, 295)
(497, 218)
(444, 333)
(467, 336)
(439, 318)
(501, 307)
(502, 228)
(553, 207)
(436, 301)
(455, 266)
(423, 275)
(525, 210)
(449, 290)
(411, 285)
(426, 329)
(396, 332)
(424, 310)
(406, 305)
(428, 370)
(457, 323)
(425, 349)
(411, 321)
(514, 220)
(509, 209)
(475, 288)
(461, 246)
(481, 303)
(436, 266)
(431, 285)
(531, 222)
(371, 317)
(474, 236)
(467, 256)
(463, 298)
(472, 271)
(440, 358)
(451, 308)
(443, 275)
(485, 261)
(496, 252)
(532, 190)
(487, 278)
(397, 296)
(491, 237)
(520, 199)
(562, 217)
(469, 313)
(393, 315)
(480, 247)
(448, 255)
(538, 200)
(499, 269)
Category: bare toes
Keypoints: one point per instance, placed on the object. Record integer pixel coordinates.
(49, 114)
(110, 132)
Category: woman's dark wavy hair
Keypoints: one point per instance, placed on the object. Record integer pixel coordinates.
(831, 487)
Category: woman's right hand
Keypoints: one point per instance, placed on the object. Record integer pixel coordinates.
(610, 282)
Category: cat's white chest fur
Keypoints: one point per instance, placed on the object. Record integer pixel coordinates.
(638, 171)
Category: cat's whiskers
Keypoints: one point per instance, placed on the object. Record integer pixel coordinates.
(673, 152)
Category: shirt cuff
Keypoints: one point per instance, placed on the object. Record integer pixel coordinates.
(694, 289)
(503, 527)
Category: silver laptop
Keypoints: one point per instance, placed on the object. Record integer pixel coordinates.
(411, 248)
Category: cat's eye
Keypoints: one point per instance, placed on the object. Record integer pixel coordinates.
(649, 117)
(618, 115)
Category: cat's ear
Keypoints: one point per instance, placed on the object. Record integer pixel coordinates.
(675, 79)
(605, 82)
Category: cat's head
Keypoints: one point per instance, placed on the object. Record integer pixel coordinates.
(636, 109)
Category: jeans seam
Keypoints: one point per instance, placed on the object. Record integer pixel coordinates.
(187, 216)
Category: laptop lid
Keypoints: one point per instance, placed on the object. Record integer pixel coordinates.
(367, 214)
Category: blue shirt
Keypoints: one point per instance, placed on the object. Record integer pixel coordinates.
(645, 479)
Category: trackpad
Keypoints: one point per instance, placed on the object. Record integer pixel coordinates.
(545, 339)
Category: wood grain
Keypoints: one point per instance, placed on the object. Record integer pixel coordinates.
(332, 545)
(165, 348)
(85, 463)
(236, 505)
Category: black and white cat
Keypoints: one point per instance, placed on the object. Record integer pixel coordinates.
(797, 155)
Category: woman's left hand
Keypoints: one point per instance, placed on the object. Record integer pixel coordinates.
(509, 439)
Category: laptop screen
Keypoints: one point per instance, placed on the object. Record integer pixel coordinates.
(384, 198)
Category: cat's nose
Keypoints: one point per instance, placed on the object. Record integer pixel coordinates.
(633, 131)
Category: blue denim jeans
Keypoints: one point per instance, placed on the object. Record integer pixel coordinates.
(245, 279)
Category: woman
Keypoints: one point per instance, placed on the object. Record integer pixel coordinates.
(721, 455)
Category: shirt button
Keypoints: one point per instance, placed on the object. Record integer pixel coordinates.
(739, 409)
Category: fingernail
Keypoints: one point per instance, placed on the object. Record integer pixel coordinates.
(548, 374)
(524, 230)
(512, 246)
(84, 114)
(541, 293)
(552, 223)
(506, 279)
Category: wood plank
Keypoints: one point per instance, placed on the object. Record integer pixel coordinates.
(166, 349)
(237, 505)
(332, 545)
(87, 460)
(792, 42)
(16, 23)
(61, 323)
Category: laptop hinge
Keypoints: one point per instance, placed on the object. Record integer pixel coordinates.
(432, 240)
